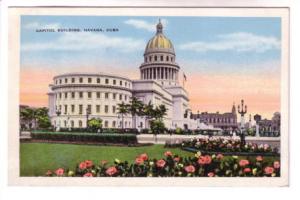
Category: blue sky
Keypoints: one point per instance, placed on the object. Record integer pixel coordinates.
(201, 43)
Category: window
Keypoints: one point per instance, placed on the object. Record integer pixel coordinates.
(120, 97)
(167, 58)
(121, 82)
(60, 95)
(80, 80)
(80, 94)
(125, 97)
(98, 80)
(98, 95)
(80, 109)
(150, 58)
(66, 80)
(106, 124)
(66, 109)
(59, 107)
(161, 58)
(114, 109)
(106, 95)
(98, 108)
(89, 80)
(125, 84)
(106, 109)
(56, 82)
(59, 81)
(72, 123)
(145, 59)
(89, 94)
(65, 123)
(80, 123)
(73, 95)
(171, 59)
(73, 80)
(114, 82)
(106, 81)
(66, 95)
(72, 108)
(114, 96)
(155, 58)
(114, 124)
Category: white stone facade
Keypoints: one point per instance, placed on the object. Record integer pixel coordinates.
(72, 94)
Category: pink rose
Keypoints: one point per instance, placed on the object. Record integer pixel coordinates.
(144, 156)
(269, 170)
(210, 174)
(88, 174)
(111, 171)
(160, 163)
(220, 156)
(139, 160)
(276, 164)
(176, 159)
(190, 169)
(82, 165)
(247, 170)
(243, 163)
(59, 172)
(204, 160)
(88, 163)
(168, 153)
(259, 158)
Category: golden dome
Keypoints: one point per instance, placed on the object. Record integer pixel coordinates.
(159, 42)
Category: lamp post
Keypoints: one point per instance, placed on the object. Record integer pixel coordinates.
(242, 110)
(88, 112)
(58, 112)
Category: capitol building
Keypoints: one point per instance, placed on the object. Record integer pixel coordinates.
(78, 97)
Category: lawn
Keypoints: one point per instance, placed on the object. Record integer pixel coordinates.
(37, 158)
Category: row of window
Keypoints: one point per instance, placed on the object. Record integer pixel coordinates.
(90, 95)
(106, 124)
(91, 80)
(220, 120)
(79, 109)
(159, 58)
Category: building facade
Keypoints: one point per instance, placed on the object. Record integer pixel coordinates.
(76, 97)
(225, 121)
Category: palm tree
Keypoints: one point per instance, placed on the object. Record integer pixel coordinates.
(135, 108)
(123, 110)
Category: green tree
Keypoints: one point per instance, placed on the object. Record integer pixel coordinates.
(157, 126)
(123, 110)
(135, 108)
(27, 115)
(95, 124)
(41, 117)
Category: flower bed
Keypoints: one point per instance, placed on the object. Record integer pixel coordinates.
(85, 137)
(228, 146)
(175, 166)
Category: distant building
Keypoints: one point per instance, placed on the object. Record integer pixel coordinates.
(269, 125)
(225, 121)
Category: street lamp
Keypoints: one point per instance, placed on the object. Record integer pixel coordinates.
(88, 112)
(58, 112)
(242, 110)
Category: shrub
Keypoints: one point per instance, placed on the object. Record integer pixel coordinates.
(86, 137)
(174, 166)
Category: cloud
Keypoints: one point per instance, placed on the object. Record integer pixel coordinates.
(81, 41)
(37, 25)
(240, 42)
(144, 25)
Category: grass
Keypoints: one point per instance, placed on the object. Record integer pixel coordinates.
(37, 158)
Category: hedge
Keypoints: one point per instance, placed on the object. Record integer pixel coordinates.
(86, 137)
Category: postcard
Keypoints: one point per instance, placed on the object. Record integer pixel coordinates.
(148, 96)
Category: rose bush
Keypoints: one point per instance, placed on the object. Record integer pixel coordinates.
(174, 166)
(227, 145)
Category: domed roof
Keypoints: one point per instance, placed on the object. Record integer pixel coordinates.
(159, 42)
